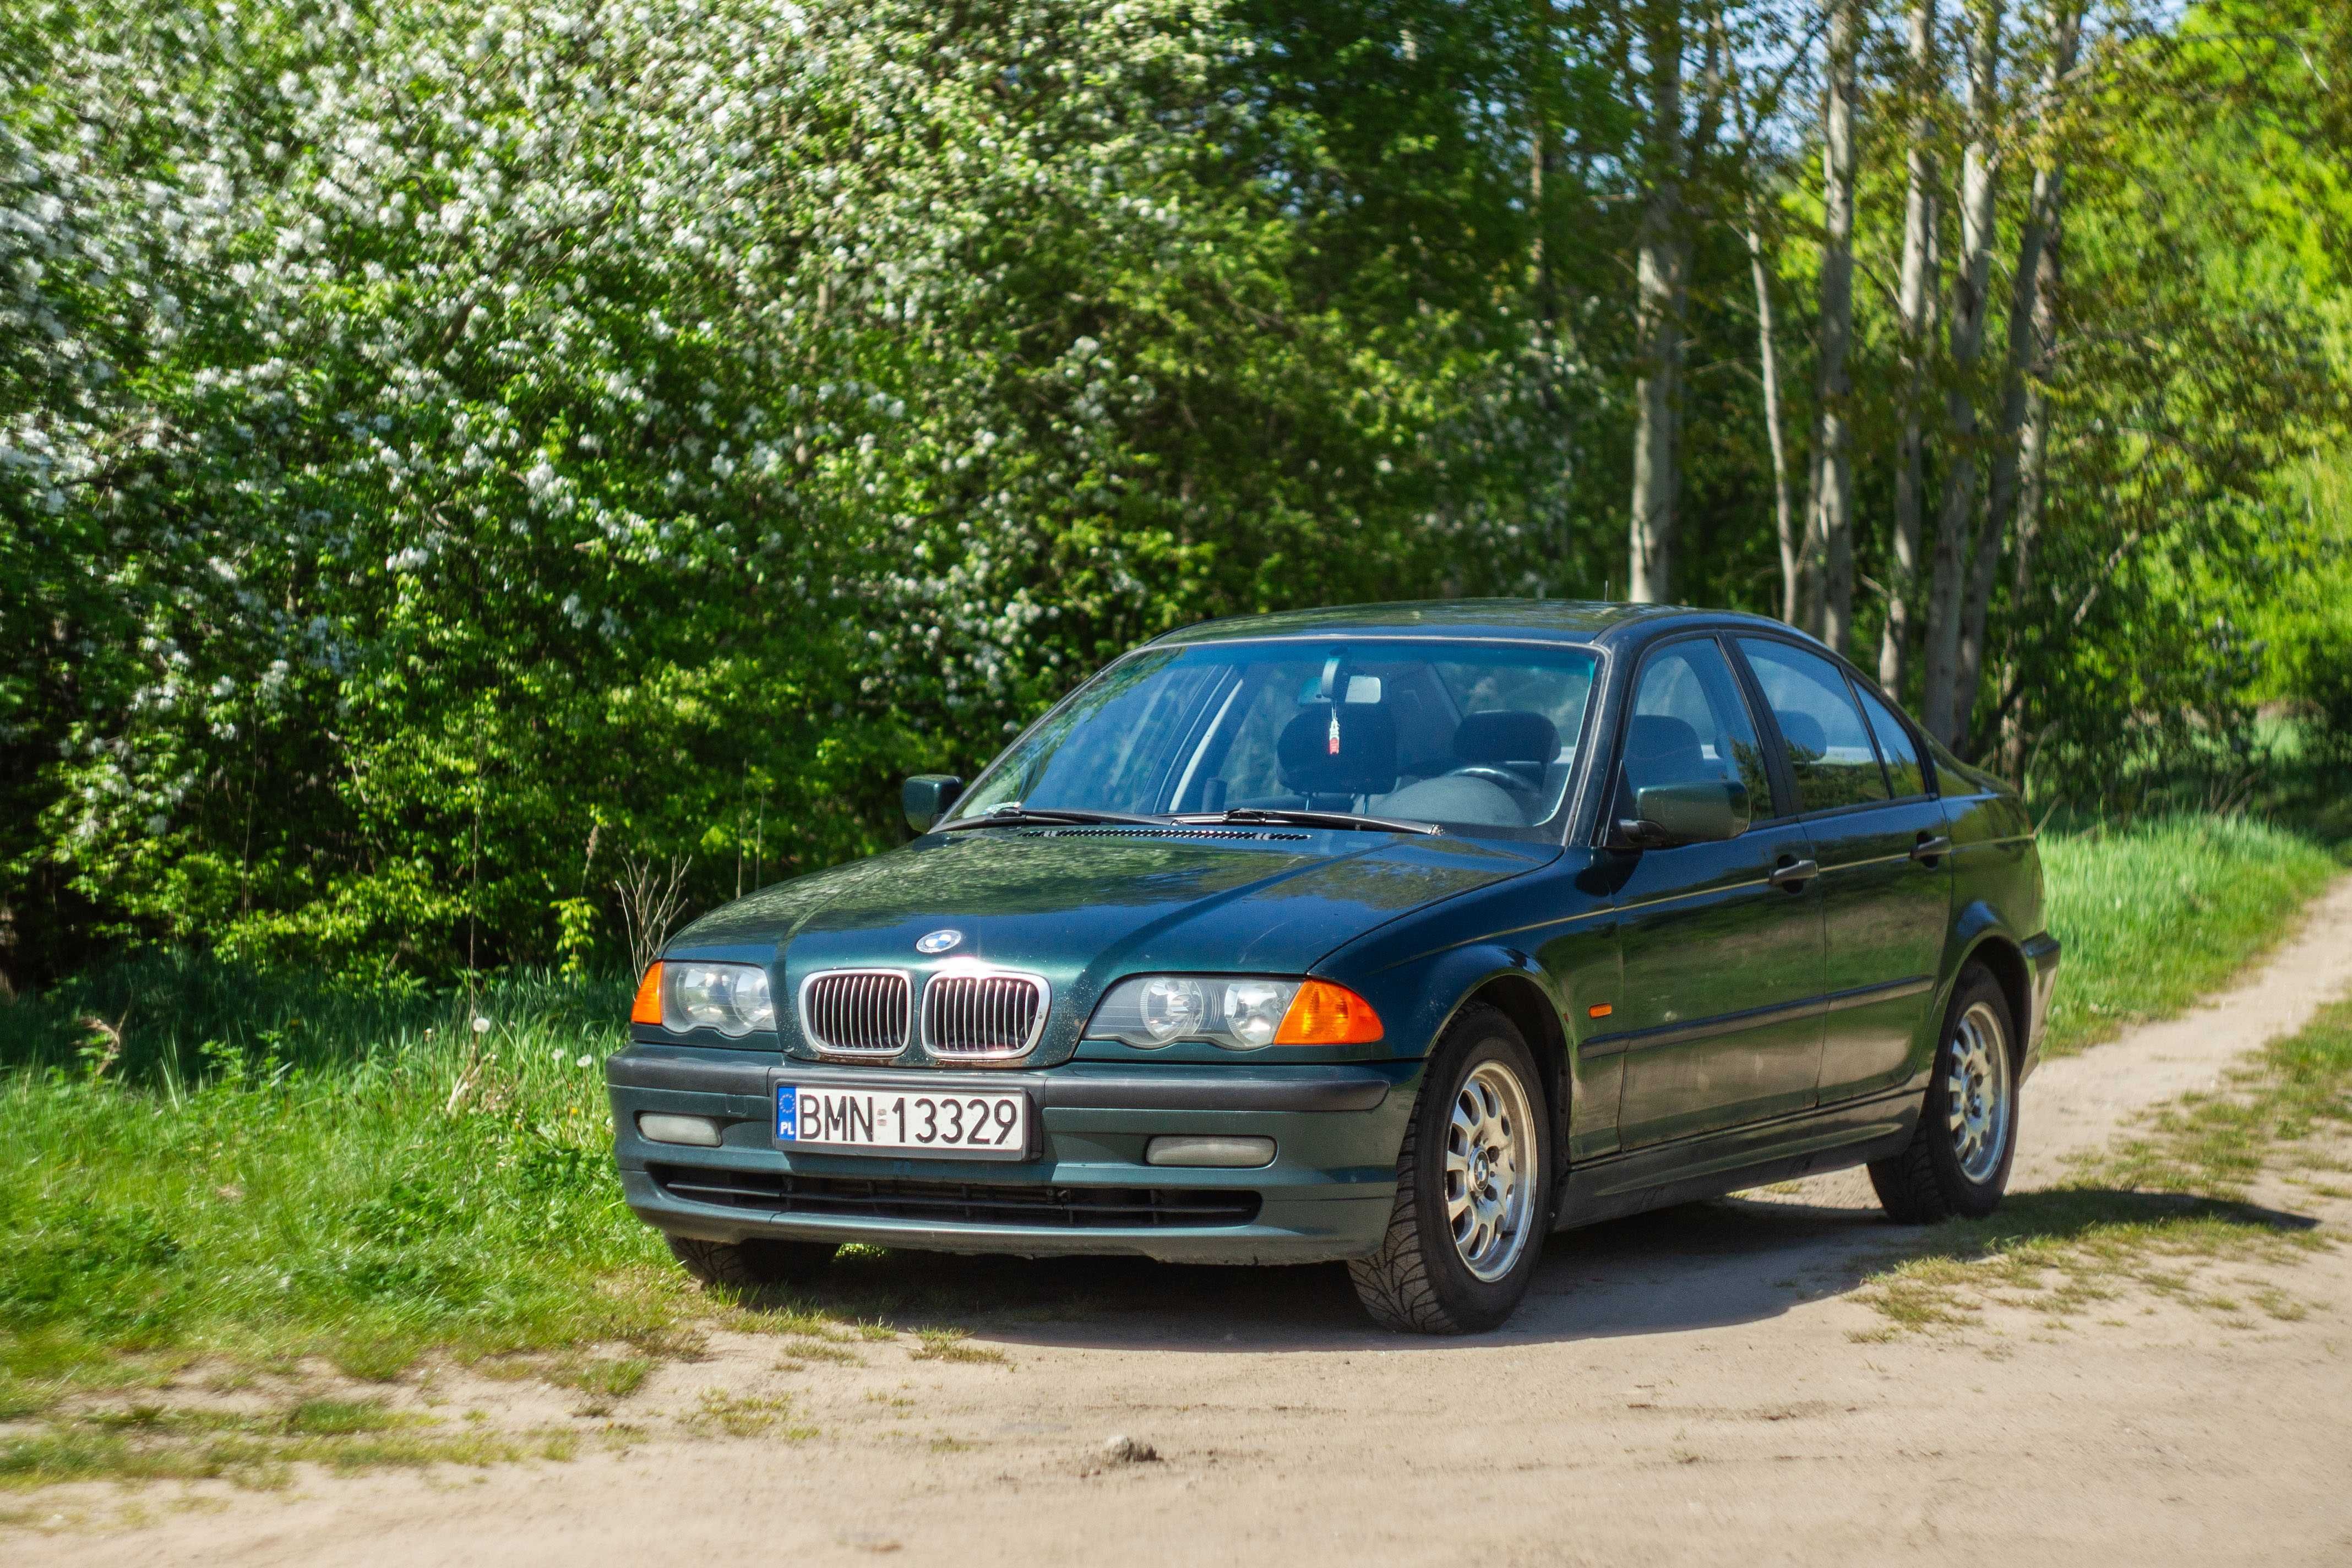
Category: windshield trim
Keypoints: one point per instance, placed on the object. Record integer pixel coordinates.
(1574, 805)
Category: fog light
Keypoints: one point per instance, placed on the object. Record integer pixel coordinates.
(1241, 1153)
(660, 1128)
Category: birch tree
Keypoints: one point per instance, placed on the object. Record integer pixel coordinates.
(1972, 285)
(2024, 416)
(1832, 507)
(1917, 290)
(1660, 284)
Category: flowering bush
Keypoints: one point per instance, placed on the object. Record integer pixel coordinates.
(442, 449)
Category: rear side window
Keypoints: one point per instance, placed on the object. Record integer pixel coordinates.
(1895, 747)
(1690, 725)
(1829, 746)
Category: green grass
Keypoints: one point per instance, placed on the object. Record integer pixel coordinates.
(161, 1442)
(2159, 913)
(2154, 1211)
(424, 1189)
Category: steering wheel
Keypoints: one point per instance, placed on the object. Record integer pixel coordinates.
(1493, 775)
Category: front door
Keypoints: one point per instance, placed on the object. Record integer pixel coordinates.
(1886, 892)
(1719, 1020)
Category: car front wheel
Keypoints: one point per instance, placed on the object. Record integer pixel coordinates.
(1956, 1163)
(1474, 1188)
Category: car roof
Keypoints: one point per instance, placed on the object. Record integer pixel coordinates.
(1539, 620)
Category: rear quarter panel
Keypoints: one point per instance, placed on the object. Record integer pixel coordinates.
(1997, 896)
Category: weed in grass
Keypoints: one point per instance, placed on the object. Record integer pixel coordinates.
(614, 1378)
(954, 1344)
(336, 1417)
(744, 1415)
(823, 1351)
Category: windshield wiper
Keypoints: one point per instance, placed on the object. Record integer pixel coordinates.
(1016, 815)
(1319, 819)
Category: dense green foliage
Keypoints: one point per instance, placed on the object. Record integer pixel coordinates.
(450, 453)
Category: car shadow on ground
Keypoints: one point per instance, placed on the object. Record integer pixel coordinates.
(1704, 1265)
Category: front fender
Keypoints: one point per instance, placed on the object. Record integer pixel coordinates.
(1544, 1000)
(1417, 1000)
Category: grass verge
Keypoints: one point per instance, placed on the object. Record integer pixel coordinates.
(2158, 914)
(2158, 1211)
(437, 1188)
(156, 1442)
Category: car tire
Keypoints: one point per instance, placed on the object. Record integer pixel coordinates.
(750, 1265)
(1956, 1163)
(1456, 1259)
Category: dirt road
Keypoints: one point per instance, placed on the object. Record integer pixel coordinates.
(1696, 1386)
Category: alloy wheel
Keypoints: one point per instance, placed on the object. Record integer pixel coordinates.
(1976, 1093)
(1490, 1175)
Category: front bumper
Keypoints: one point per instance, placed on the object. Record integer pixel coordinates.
(1327, 1195)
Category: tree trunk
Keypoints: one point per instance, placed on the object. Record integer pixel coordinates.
(1914, 306)
(1660, 282)
(1768, 354)
(1940, 704)
(2025, 321)
(1836, 384)
(2033, 465)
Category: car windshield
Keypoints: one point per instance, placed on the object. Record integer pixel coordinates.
(1478, 737)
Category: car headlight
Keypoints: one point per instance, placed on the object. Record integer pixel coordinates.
(732, 998)
(1241, 1014)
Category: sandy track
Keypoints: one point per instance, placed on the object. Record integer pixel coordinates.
(1683, 1387)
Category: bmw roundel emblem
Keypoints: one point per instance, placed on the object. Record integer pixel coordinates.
(938, 941)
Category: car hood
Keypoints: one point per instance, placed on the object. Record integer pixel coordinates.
(1084, 907)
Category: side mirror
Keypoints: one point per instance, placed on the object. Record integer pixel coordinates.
(925, 798)
(1705, 813)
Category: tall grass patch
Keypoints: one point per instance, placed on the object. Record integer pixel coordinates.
(2157, 913)
(364, 1197)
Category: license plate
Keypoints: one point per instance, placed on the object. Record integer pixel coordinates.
(981, 1124)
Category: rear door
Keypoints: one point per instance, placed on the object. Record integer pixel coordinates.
(1885, 874)
(1719, 1021)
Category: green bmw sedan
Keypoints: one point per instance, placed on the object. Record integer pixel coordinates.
(1399, 935)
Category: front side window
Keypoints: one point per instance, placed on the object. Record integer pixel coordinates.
(1829, 748)
(1690, 725)
(1476, 737)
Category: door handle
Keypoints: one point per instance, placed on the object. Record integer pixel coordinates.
(1931, 848)
(1794, 874)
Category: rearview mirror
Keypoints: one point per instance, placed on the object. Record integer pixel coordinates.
(1704, 813)
(926, 797)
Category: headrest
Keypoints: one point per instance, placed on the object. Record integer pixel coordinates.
(1660, 749)
(1506, 735)
(1808, 741)
(1360, 757)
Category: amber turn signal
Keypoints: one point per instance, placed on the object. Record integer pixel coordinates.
(1323, 1013)
(647, 1009)
(1599, 1010)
